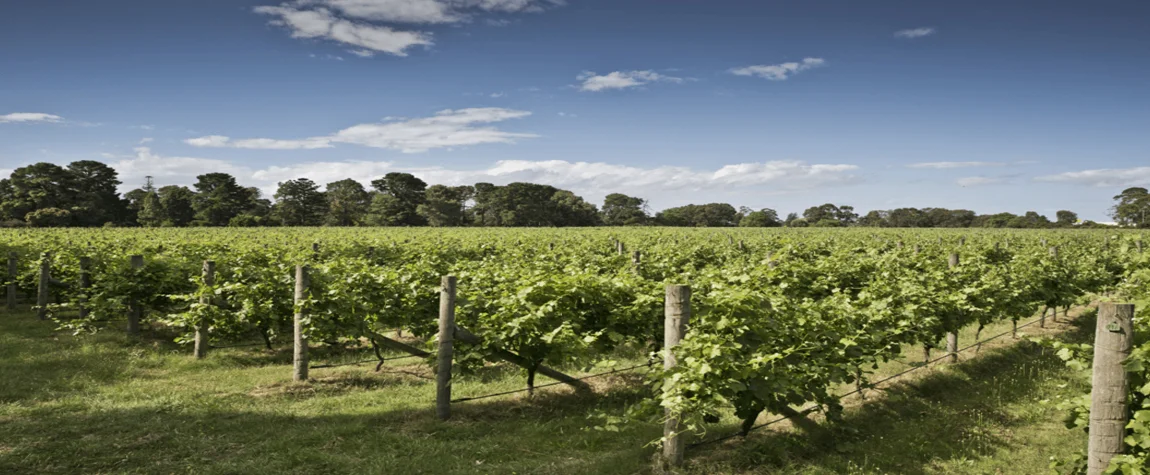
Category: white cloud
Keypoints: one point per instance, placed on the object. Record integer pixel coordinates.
(980, 181)
(170, 170)
(29, 117)
(944, 165)
(322, 24)
(779, 72)
(447, 128)
(1103, 177)
(209, 141)
(496, 95)
(621, 80)
(426, 11)
(592, 180)
(915, 32)
(356, 22)
(363, 53)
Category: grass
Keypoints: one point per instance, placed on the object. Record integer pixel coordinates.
(105, 404)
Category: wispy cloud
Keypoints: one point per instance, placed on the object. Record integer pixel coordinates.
(29, 117)
(321, 23)
(447, 128)
(944, 165)
(915, 32)
(368, 25)
(592, 180)
(1102, 177)
(972, 181)
(948, 165)
(592, 82)
(779, 72)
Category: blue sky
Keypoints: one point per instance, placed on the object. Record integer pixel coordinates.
(986, 105)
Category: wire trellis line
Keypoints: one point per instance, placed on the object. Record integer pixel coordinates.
(356, 363)
(556, 383)
(811, 409)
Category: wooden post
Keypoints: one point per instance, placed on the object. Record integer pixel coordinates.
(1139, 245)
(446, 350)
(135, 311)
(1113, 340)
(13, 271)
(962, 241)
(42, 289)
(676, 313)
(209, 277)
(636, 261)
(299, 359)
(620, 248)
(85, 284)
(1053, 251)
(952, 336)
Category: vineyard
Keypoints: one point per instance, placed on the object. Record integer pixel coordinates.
(707, 334)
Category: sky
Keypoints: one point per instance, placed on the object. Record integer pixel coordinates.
(985, 105)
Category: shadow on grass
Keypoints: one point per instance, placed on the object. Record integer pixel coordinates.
(547, 434)
(953, 414)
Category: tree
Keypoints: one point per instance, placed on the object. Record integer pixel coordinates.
(399, 196)
(151, 212)
(176, 202)
(708, 215)
(446, 205)
(875, 219)
(219, 199)
(909, 218)
(37, 186)
(1066, 218)
(622, 210)
(347, 203)
(791, 219)
(1029, 221)
(572, 210)
(844, 215)
(95, 199)
(764, 218)
(1132, 207)
(49, 218)
(300, 203)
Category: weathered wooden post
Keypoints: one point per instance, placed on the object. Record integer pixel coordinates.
(917, 248)
(135, 310)
(43, 289)
(209, 277)
(1138, 243)
(85, 284)
(636, 261)
(952, 336)
(620, 248)
(13, 271)
(962, 241)
(299, 358)
(676, 313)
(446, 348)
(1109, 396)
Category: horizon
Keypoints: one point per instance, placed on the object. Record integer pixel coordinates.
(981, 106)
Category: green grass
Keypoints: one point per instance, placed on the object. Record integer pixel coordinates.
(104, 404)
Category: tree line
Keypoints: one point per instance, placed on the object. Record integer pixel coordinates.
(84, 193)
